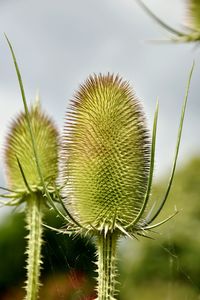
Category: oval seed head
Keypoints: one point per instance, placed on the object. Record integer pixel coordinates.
(19, 146)
(106, 153)
(194, 14)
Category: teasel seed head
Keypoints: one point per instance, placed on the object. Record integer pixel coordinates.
(105, 154)
(194, 14)
(19, 149)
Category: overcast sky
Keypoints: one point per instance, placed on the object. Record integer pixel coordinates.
(58, 43)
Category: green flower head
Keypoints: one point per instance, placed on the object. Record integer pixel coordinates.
(19, 150)
(194, 14)
(106, 153)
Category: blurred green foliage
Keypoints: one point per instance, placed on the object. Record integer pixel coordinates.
(169, 264)
(164, 267)
(70, 256)
(12, 247)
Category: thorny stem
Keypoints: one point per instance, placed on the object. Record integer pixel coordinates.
(106, 250)
(34, 226)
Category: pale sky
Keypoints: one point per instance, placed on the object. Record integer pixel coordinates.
(58, 43)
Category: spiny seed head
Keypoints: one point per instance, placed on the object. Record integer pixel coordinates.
(106, 153)
(194, 14)
(19, 146)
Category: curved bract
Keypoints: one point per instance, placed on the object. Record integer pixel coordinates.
(106, 153)
(19, 149)
(191, 33)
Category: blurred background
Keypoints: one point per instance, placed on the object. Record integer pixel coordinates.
(58, 44)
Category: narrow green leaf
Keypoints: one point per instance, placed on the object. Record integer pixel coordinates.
(23, 175)
(151, 219)
(64, 207)
(26, 110)
(153, 144)
(162, 222)
(7, 190)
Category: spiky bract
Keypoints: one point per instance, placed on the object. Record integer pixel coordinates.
(106, 153)
(194, 14)
(19, 147)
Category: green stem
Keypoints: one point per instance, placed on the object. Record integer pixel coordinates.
(34, 226)
(106, 250)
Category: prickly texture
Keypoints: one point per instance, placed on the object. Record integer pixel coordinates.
(19, 146)
(194, 14)
(106, 153)
(34, 227)
(106, 253)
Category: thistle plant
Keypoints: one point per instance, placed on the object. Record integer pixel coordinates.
(107, 164)
(24, 183)
(107, 159)
(191, 32)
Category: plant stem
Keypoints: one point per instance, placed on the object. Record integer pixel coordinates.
(34, 226)
(106, 250)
